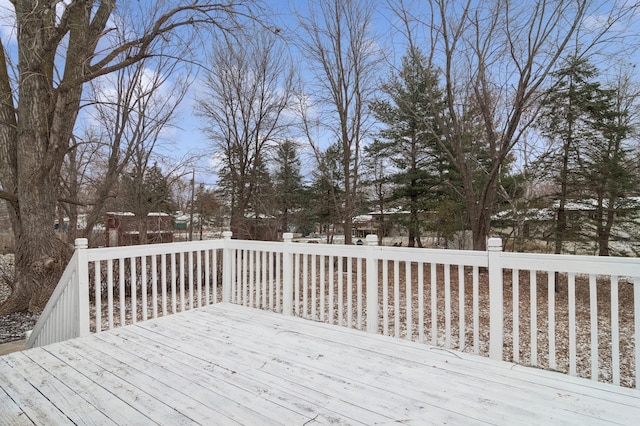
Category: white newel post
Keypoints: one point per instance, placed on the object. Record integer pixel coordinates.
(287, 274)
(496, 308)
(227, 264)
(372, 284)
(82, 281)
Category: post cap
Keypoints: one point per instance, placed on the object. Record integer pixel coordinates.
(372, 240)
(494, 243)
(287, 237)
(82, 243)
(227, 234)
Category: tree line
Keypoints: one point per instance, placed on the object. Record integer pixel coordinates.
(491, 102)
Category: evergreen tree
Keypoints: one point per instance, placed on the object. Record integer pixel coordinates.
(327, 191)
(287, 180)
(588, 160)
(408, 141)
(375, 177)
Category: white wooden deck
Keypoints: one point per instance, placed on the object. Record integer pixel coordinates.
(226, 364)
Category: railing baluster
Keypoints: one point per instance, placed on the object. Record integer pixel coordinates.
(305, 286)
(572, 323)
(533, 296)
(551, 320)
(143, 286)
(340, 290)
(421, 302)
(264, 280)
(636, 318)
(154, 286)
(447, 306)
(237, 276)
(98, 295)
(615, 332)
(207, 276)
(163, 282)
(110, 292)
(122, 291)
(461, 308)
(279, 283)
(245, 277)
(199, 277)
(331, 259)
(272, 273)
(190, 276)
(593, 309)
(408, 301)
(134, 287)
(214, 275)
(182, 283)
(323, 263)
(314, 286)
(350, 292)
(372, 285)
(476, 310)
(385, 297)
(174, 284)
(359, 291)
(434, 303)
(252, 280)
(396, 298)
(296, 282)
(515, 292)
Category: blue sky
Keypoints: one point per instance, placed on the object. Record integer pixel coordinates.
(188, 137)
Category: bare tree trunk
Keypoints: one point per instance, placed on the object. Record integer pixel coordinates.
(35, 132)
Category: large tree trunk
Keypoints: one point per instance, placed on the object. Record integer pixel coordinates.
(40, 255)
(45, 120)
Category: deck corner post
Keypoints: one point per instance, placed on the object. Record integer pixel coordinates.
(82, 281)
(496, 308)
(227, 264)
(372, 284)
(287, 274)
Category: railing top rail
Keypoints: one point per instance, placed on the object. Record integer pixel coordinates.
(429, 255)
(273, 246)
(105, 253)
(620, 266)
(410, 254)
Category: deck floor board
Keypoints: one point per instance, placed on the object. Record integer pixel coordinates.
(228, 364)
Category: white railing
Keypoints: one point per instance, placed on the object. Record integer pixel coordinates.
(491, 303)
(66, 315)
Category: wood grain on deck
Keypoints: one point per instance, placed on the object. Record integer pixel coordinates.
(226, 364)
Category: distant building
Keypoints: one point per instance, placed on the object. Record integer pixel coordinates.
(122, 229)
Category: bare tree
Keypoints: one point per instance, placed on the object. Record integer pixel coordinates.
(60, 47)
(247, 89)
(336, 39)
(133, 106)
(495, 58)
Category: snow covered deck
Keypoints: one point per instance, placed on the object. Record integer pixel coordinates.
(228, 364)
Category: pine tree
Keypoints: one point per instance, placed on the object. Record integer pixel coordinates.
(422, 174)
(287, 181)
(588, 160)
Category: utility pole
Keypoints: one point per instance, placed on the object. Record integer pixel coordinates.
(193, 186)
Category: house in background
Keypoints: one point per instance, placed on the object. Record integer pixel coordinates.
(123, 229)
(535, 227)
